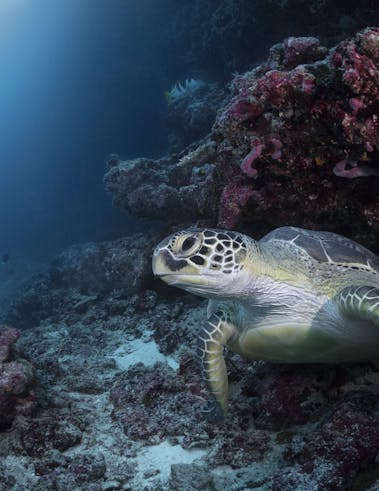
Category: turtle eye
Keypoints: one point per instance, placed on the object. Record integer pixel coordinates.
(188, 245)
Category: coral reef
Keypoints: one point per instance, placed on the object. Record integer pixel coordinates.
(280, 150)
(150, 403)
(120, 395)
(291, 125)
(16, 380)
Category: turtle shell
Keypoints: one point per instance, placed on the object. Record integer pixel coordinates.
(324, 246)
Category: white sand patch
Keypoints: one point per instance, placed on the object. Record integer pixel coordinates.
(137, 351)
(155, 462)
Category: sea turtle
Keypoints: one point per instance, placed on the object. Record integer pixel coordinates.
(295, 296)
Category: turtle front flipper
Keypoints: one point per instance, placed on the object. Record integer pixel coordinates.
(361, 302)
(213, 337)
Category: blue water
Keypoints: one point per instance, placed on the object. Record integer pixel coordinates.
(76, 84)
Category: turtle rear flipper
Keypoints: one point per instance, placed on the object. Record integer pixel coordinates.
(361, 302)
(214, 336)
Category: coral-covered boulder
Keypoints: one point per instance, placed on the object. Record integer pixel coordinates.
(53, 430)
(173, 189)
(95, 268)
(291, 395)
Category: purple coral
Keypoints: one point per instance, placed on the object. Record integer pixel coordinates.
(353, 170)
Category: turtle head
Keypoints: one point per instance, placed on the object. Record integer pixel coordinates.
(205, 262)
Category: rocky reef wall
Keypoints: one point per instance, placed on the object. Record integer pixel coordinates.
(294, 143)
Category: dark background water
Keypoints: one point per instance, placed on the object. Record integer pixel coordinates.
(83, 78)
(77, 82)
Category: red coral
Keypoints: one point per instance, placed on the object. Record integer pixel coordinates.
(291, 395)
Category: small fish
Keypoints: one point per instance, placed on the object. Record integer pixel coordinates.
(5, 258)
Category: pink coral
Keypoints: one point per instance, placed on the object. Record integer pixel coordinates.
(247, 163)
(272, 148)
(341, 169)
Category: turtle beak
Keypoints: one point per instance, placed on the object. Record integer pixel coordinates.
(165, 264)
(159, 266)
(176, 272)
